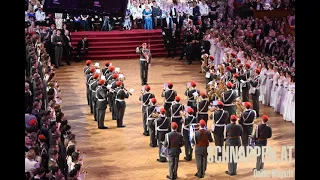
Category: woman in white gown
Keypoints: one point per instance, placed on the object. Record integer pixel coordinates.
(273, 97)
(217, 53)
(269, 82)
(284, 92)
(212, 41)
(263, 76)
(289, 111)
(280, 92)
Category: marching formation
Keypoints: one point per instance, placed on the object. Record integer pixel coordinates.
(175, 125)
(105, 87)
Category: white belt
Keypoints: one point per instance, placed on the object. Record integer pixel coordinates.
(144, 105)
(151, 119)
(220, 125)
(168, 102)
(176, 116)
(93, 91)
(101, 99)
(143, 60)
(229, 105)
(202, 112)
(191, 100)
(119, 99)
(186, 128)
(158, 129)
(248, 124)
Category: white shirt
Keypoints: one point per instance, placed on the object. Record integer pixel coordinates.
(136, 13)
(168, 21)
(30, 165)
(84, 18)
(40, 16)
(204, 9)
(173, 12)
(190, 11)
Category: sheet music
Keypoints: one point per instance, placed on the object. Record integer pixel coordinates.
(165, 85)
(121, 76)
(195, 94)
(158, 109)
(103, 77)
(97, 64)
(98, 71)
(131, 90)
(214, 103)
(188, 84)
(117, 69)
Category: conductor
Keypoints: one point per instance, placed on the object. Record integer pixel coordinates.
(145, 62)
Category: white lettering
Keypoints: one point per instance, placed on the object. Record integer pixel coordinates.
(210, 150)
(284, 154)
(216, 152)
(225, 154)
(241, 155)
(290, 148)
(234, 154)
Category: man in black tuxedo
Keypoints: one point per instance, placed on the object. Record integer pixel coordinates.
(173, 13)
(179, 21)
(67, 47)
(82, 48)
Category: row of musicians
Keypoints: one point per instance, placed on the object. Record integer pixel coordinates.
(101, 92)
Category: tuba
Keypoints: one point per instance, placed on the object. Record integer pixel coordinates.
(204, 61)
(155, 115)
(240, 107)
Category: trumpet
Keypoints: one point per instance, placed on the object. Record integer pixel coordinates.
(155, 115)
(240, 108)
(127, 91)
(183, 114)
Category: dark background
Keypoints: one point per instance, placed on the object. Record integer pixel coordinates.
(105, 7)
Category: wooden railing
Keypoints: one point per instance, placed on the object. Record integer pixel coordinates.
(277, 13)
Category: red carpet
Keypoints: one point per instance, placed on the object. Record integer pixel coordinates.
(120, 44)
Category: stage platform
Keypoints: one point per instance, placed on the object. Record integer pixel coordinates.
(118, 44)
(125, 154)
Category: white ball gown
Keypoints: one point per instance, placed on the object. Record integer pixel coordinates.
(273, 97)
(283, 96)
(279, 94)
(289, 112)
(263, 83)
(269, 82)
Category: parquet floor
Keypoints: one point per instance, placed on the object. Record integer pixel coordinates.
(121, 154)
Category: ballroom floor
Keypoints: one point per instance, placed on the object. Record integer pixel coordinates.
(119, 154)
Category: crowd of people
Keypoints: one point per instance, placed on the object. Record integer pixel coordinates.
(50, 146)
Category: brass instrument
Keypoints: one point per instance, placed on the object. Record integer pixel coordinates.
(127, 91)
(121, 77)
(183, 114)
(221, 68)
(155, 115)
(240, 107)
(204, 62)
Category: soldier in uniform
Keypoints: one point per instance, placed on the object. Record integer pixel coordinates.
(173, 141)
(109, 73)
(245, 83)
(261, 135)
(93, 86)
(246, 120)
(150, 122)
(145, 102)
(234, 131)
(236, 83)
(88, 78)
(169, 96)
(203, 107)
(145, 62)
(162, 127)
(86, 69)
(202, 139)
(191, 98)
(228, 98)
(189, 119)
(220, 118)
(101, 95)
(228, 74)
(105, 69)
(255, 91)
(175, 113)
(111, 96)
(120, 103)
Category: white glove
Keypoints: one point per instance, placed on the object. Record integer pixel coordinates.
(242, 81)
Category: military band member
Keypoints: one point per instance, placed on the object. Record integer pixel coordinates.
(145, 102)
(175, 110)
(202, 139)
(228, 98)
(162, 127)
(169, 96)
(109, 73)
(255, 91)
(151, 110)
(105, 69)
(93, 86)
(191, 98)
(236, 83)
(203, 107)
(234, 131)
(111, 95)
(101, 95)
(261, 135)
(88, 78)
(189, 119)
(228, 74)
(245, 83)
(145, 62)
(120, 104)
(173, 141)
(246, 120)
(86, 69)
(220, 118)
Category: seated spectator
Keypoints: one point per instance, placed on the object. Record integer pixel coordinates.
(82, 48)
(156, 14)
(40, 17)
(147, 13)
(136, 16)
